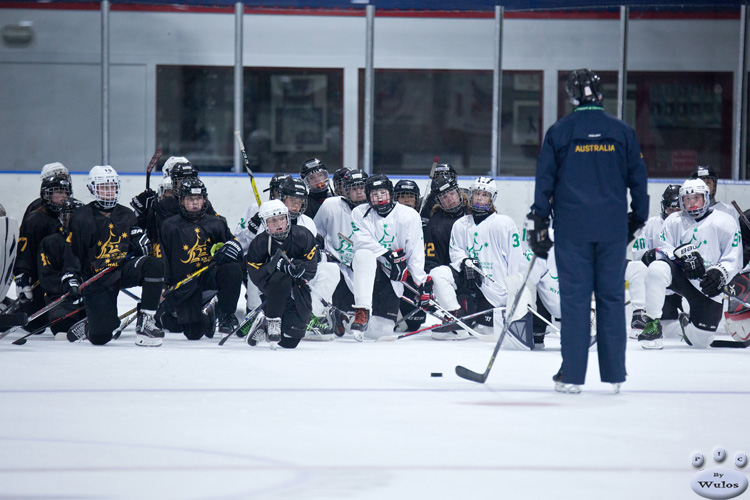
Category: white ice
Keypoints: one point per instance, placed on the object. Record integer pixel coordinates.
(341, 419)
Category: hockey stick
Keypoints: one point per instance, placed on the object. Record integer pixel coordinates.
(429, 182)
(190, 277)
(244, 324)
(482, 377)
(77, 332)
(132, 315)
(731, 343)
(447, 314)
(131, 294)
(742, 214)
(247, 165)
(62, 298)
(390, 338)
(22, 340)
(151, 165)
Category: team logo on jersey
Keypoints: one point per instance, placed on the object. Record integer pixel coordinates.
(693, 238)
(386, 243)
(198, 254)
(476, 247)
(109, 250)
(345, 249)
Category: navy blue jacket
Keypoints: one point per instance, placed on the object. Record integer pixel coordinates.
(588, 162)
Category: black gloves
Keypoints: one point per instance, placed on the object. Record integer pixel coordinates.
(690, 261)
(425, 292)
(71, 283)
(24, 290)
(538, 236)
(229, 252)
(142, 202)
(292, 268)
(712, 282)
(474, 278)
(633, 226)
(648, 257)
(140, 244)
(254, 223)
(395, 265)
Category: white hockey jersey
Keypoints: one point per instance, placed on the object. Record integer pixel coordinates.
(647, 237)
(496, 244)
(717, 237)
(400, 229)
(334, 217)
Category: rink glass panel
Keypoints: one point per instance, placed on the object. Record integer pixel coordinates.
(289, 115)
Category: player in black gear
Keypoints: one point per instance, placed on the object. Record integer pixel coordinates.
(338, 181)
(187, 243)
(280, 260)
(315, 175)
(55, 169)
(53, 251)
(105, 234)
(407, 193)
(152, 212)
(441, 170)
(36, 226)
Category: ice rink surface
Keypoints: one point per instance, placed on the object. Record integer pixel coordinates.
(342, 419)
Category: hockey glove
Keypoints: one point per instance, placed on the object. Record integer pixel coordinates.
(469, 268)
(712, 282)
(633, 226)
(395, 265)
(690, 261)
(140, 244)
(229, 252)
(292, 268)
(24, 290)
(142, 202)
(648, 257)
(254, 223)
(71, 283)
(538, 234)
(425, 292)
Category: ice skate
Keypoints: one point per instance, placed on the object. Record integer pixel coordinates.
(651, 338)
(274, 331)
(257, 332)
(359, 325)
(684, 320)
(637, 323)
(228, 323)
(147, 334)
(319, 330)
(561, 386)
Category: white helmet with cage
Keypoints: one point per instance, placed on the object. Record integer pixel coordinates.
(164, 186)
(55, 169)
(276, 220)
(171, 162)
(102, 179)
(698, 205)
(483, 185)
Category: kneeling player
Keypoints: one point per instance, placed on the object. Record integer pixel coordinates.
(280, 262)
(697, 270)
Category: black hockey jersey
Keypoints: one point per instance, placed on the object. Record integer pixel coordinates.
(437, 239)
(298, 245)
(99, 240)
(39, 224)
(186, 245)
(53, 252)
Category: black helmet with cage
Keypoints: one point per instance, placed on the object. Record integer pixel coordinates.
(407, 193)
(375, 183)
(274, 184)
(55, 190)
(447, 194)
(584, 87)
(315, 175)
(190, 188)
(338, 181)
(670, 200)
(293, 194)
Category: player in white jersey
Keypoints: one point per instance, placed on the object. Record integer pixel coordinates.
(336, 228)
(388, 242)
(700, 252)
(486, 240)
(647, 238)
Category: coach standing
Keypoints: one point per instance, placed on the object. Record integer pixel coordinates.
(588, 162)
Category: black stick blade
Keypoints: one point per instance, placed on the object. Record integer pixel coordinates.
(470, 375)
(737, 344)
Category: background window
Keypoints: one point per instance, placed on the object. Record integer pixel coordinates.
(420, 114)
(682, 119)
(290, 115)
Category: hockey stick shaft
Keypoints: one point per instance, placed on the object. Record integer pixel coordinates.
(528, 307)
(742, 214)
(427, 329)
(249, 318)
(482, 377)
(190, 277)
(247, 165)
(429, 181)
(22, 340)
(133, 316)
(131, 294)
(151, 165)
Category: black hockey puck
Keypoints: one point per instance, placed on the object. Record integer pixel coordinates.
(436, 374)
